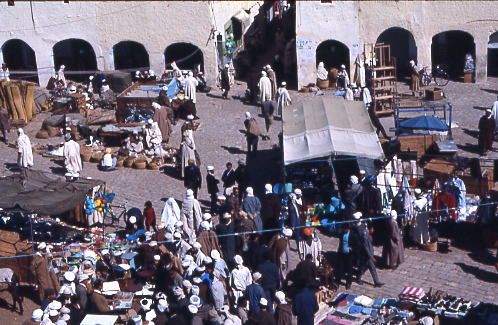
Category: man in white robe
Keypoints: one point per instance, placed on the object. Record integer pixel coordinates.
(240, 278)
(321, 72)
(153, 136)
(24, 150)
(264, 85)
(72, 158)
(191, 87)
(283, 98)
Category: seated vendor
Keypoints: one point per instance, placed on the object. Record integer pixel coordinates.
(108, 162)
(134, 145)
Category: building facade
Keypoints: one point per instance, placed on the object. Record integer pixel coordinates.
(37, 37)
(429, 32)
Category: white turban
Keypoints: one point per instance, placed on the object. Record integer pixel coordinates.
(268, 188)
(249, 191)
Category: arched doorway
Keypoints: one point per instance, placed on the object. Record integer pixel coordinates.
(493, 55)
(403, 48)
(333, 54)
(130, 55)
(78, 56)
(449, 49)
(20, 59)
(186, 55)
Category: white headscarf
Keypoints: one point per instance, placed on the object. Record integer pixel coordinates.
(171, 213)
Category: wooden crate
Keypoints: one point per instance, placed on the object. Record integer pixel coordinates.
(439, 169)
(434, 94)
(418, 143)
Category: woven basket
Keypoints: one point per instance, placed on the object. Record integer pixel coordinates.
(86, 155)
(430, 247)
(153, 166)
(42, 134)
(120, 162)
(322, 84)
(53, 131)
(128, 162)
(140, 164)
(97, 156)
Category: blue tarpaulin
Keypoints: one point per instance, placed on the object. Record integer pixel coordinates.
(424, 123)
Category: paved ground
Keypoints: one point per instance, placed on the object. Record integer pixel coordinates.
(219, 139)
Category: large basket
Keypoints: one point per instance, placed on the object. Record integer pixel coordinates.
(86, 155)
(140, 164)
(97, 157)
(120, 162)
(153, 166)
(53, 131)
(128, 162)
(322, 84)
(430, 247)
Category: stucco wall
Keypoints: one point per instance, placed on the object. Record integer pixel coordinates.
(362, 22)
(155, 24)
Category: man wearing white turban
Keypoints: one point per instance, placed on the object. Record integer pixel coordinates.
(72, 158)
(251, 206)
(265, 90)
(24, 150)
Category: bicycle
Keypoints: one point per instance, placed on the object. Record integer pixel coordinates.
(115, 217)
(439, 76)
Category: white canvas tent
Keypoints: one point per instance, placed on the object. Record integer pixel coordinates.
(328, 126)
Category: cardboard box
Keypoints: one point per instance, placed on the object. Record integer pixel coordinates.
(434, 94)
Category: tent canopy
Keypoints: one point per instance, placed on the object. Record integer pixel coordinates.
(424, 122)
(328, 125)
(32, 191)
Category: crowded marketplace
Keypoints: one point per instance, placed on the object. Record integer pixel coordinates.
(265, 175)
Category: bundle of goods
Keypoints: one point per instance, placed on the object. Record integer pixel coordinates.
(17, 97)
(412, 294)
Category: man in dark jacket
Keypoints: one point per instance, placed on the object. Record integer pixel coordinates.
(225, 81)
(225, 230)
(228, 177)
(254, 293)
(352, 195)
(270, 208)
(348, 244)
(263, 317)
(212, 187)
(306, 272)
(365, 252)
(242, 177)
(193, 177)
(4, 124)
(270, 279)
(305, 306)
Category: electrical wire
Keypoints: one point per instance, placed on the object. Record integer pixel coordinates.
(238, 234)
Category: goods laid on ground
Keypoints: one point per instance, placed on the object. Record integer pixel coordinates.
(412, 306)
(17, 97)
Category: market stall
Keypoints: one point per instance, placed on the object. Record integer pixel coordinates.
(331, 133)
